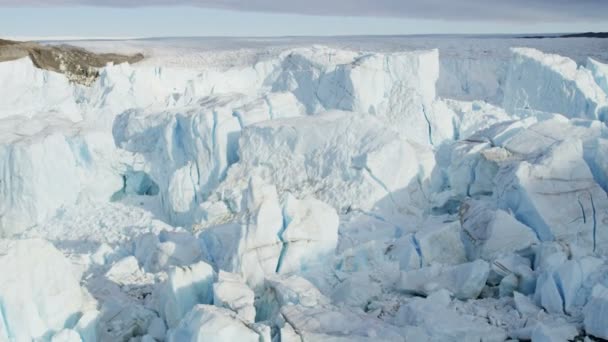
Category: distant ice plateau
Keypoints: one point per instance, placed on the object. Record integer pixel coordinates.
(348, 190)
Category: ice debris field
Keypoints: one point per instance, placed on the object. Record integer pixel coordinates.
(308, 193)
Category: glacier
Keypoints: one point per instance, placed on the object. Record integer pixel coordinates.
(313, 192)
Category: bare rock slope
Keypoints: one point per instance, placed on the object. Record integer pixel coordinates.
(77, 64)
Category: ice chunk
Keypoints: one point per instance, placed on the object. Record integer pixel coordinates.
(294, 289)
(29, 91)
(39, 291)
(441, 244)
(231, 292)
(405, 251)
(357, 290)
(210, 323)
(337, 156)
(595, 311)
(157, 252)
(122, 270)
(185, 288)
(551, 83)
(557, 196)
(309, 235)
(557, 290)
(476, 116)
(558, 333)
(66, 335)
(33, 185)
(87, 325)
(490, 233)
(464, 281)
(268, 238)
(121, 321)
(600, 73)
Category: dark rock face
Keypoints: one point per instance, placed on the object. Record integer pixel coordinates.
(79, 65)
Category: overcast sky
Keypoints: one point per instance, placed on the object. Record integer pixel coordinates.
(304, 17)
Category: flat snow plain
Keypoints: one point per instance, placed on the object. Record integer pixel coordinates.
(428, 188)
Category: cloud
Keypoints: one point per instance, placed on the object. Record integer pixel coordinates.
(453, 10)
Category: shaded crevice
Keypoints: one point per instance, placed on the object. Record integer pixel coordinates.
(418, 250)
(382, 185)
(560, 290)
(428, 122)
(594, 222)
(286, 222)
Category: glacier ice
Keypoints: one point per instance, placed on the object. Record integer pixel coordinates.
(311, 193)
(595, 312)
(28, 310)
(186, 287)
(35, 186)
(551, 83)
(491, 232)
(231, 292)
(600, 73)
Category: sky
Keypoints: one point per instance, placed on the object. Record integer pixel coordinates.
(173, 18)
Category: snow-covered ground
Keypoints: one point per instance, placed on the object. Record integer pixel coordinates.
(308, 189)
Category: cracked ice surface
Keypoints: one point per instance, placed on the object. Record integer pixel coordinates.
(306, 193)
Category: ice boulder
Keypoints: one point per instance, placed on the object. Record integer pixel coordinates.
(464, 281)
(175, 248)
(595, 311)
(40, 293)
(339, 157)
(282, 290)
(269, 237)
(551, 83)
(185, 288)
(490, 233)
(600, 73)
(250, 245)
(309, 234)
(33, 185)
(231, 292)
(210, 323)
(441, 244)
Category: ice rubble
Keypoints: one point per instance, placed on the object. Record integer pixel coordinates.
(324, 195)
